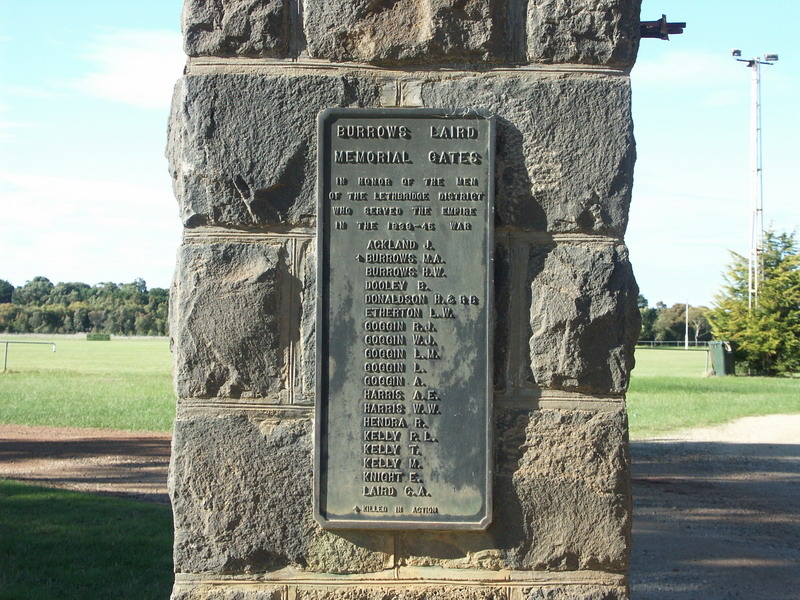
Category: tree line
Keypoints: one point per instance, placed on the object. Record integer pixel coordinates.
(668, 324)
(766, 331)
(40, 306)
(765, 334)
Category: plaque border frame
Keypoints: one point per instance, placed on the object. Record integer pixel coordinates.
(322, 223)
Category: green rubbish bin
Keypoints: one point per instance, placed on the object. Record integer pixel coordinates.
(722, 362)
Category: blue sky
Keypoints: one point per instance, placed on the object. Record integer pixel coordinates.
(691, 107)
(84, 97)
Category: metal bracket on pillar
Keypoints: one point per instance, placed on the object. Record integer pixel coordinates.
(660, 29)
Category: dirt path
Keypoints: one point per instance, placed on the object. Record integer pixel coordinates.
(770, 429)
(124, 463)
(716, 510)
(717, 513)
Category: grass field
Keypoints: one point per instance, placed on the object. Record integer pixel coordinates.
(669, 391)
(72, 546)
(58, 544)
(125, 384)
(121, 384)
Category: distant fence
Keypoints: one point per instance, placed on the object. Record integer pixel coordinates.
(671, 344)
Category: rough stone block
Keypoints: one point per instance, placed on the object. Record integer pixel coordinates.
(236, 27)
(570, 486)
(407, 31)
(216, 592)
(565, 149)
(407, 591)
(242, 152)
(576, 592)
(232, 322)
(584, 317)
(242, 148)
(597, 32)
(308, 326)
(502, 313)
(242, 497)
(403, 592)
(561, 498)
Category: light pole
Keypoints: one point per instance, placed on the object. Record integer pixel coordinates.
(754, 270)
(686, 347)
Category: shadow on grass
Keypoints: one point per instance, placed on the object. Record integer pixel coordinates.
(70, 545)
(141, 447)
(715, 520)
(134, 466)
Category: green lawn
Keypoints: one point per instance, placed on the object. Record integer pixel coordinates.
(125, 384)
(669, 362)
(58, 544)
(121, 384)
(669, 391)
(69, 545)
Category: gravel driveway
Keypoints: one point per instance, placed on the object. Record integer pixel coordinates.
(716, 511)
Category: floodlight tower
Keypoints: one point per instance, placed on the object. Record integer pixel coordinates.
(755, 268)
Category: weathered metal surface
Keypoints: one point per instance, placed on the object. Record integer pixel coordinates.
(405, 220)
(660, 29)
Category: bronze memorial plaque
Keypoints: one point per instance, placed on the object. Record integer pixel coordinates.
(404, 322)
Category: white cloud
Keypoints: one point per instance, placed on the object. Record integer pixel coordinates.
(7, 126)
(72, 229)
(24, 91)
(686, 69)
(133, 67)
(716, 80)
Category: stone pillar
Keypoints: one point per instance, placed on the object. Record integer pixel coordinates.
(242, 151)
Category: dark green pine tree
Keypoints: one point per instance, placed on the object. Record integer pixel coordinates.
(767, 338)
